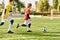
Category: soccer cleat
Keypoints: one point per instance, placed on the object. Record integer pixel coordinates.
(10, 32)
(17, 25)
(29, 31)
(44, 30)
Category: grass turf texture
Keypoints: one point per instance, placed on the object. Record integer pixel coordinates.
(53, 30)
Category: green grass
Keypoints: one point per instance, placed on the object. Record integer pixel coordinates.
(53, 30)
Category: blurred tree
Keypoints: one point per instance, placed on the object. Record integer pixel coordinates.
(19, 5)
(55, 4)
(43, 5)
(58, 5)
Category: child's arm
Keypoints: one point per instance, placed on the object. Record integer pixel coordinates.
(6, 10)
(4, 16)
(28, 13)
(28, 16)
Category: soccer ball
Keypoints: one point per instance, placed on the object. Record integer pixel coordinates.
(44, 30)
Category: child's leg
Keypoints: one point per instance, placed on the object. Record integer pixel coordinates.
(10, 25)
(1, 23)
(29, 25)
(3, 20)
(26, 23)
(23, 25)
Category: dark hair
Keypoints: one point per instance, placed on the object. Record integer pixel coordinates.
(10, 0)
(29, 5)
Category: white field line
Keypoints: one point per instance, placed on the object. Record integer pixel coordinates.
(28, 38)
(46, 23)
(35, 23)
(39, 23)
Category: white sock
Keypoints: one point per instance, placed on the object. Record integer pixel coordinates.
(28, 28)
(10, 26)
(20, 24)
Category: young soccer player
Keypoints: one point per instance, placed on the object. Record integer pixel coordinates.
(7, 15)
(27, 18)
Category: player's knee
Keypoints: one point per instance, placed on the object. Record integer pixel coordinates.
(12, 21)
(2, 23)
(30, 24)
(24, 25)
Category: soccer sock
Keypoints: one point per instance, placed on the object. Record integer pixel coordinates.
(28, 28)
(23, 25)
(20, 24)
(10, 26)
(1, 23)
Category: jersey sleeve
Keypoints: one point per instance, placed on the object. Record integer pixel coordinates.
(6, 11)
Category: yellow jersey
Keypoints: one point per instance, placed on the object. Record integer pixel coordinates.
(6, 11)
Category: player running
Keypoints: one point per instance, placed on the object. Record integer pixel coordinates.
(7, 15)
(27, 18)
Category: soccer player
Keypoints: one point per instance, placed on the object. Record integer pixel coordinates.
(27, 18)
(7, 15)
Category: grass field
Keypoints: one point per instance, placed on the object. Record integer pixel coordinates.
(53, 30)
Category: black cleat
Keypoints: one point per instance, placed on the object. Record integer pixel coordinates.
(29, 31)
(17, 25)
(10, 32)
(44, 31)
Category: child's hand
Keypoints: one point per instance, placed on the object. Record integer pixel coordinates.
(30, 19)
